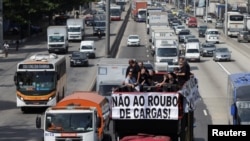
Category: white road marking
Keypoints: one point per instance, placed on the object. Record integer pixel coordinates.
(205, 112)
(224, 68)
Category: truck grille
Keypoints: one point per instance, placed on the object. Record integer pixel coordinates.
(68, 139)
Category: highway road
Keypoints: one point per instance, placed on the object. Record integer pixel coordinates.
(213, 107)
(16, 126)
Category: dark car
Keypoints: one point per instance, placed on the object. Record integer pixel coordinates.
(207, 49)
(182, 34)
(79, 59)
(243, 36)
(202, 30)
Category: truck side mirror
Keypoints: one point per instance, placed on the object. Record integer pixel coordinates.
(233, 109)
(38, 122)
(98, 122)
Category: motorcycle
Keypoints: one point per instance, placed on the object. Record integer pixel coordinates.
(99, 34)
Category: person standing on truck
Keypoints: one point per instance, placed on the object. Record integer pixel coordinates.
(133, 67)
(131, 82)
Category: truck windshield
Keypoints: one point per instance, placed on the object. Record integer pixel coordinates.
(69, 122)
(56, 39)
(243, 109)
(100, 23)
(86, 47)
(33, 83)
(166, 52)
(74, 29)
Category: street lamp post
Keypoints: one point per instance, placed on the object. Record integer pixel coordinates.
(206, 10)
(107, 36)
(1, 23)
(225, 19)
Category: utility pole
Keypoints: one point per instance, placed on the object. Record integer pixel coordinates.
(225, 18)
(1, 24)
(194, 7)
(248, 6)
(206, 9)
(107, 28)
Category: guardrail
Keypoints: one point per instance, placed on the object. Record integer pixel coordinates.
(117, 41)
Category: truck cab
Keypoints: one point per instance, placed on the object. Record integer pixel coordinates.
(99, 23)
(88, 47)
(76, 29)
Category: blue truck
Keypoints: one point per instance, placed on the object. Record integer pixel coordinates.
(239, 98)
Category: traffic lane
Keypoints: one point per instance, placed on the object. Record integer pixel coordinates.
(82, 78)
(239, 59)
(139, 53)
(13, 120)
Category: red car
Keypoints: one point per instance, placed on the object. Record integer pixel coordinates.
(192, 22)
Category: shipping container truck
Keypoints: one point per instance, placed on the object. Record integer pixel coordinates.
(110, 74)
(76, 29)
(165, 113)
(239, 99)
(136, 5)
(57, 39)
(151, 9)
(81, 115)
(157, 19)
(200, 11)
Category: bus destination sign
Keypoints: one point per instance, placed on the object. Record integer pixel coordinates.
(35, 66)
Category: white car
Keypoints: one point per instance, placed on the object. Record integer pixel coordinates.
(133, 40)
(208, 19)
(212, 35)
(179, 28)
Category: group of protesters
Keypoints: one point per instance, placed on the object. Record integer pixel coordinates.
(138, 76)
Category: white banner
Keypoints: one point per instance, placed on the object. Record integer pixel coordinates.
(145, 106)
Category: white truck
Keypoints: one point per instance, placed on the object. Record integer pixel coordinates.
(166, 55)
(76, 29)
(57, 39)
(200, 11)
(166, 32)
(109, 76)
(153, 28)
(151, 9)
(157, 19)
(192, 52)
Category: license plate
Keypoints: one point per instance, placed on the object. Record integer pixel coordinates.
(56, 49)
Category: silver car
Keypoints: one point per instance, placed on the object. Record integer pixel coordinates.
(222, 54)
(207, 49)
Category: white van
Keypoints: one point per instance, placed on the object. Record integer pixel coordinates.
(88, 47)
(192, 52)
(212, 35)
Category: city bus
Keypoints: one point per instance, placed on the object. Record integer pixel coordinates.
(115, 12)
(234, 23)
(40, 81)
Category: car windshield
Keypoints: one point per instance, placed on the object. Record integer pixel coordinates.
(184, 33)
(213, 32)
(133, 37)
(193, 40)
(208, 46)
(76, 55)
(180, 27)
(222, 50)
(203, 27)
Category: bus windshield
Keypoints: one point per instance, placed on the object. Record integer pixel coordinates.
(236, 18)
(69, 122)
(38, 81)
(115, 12)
